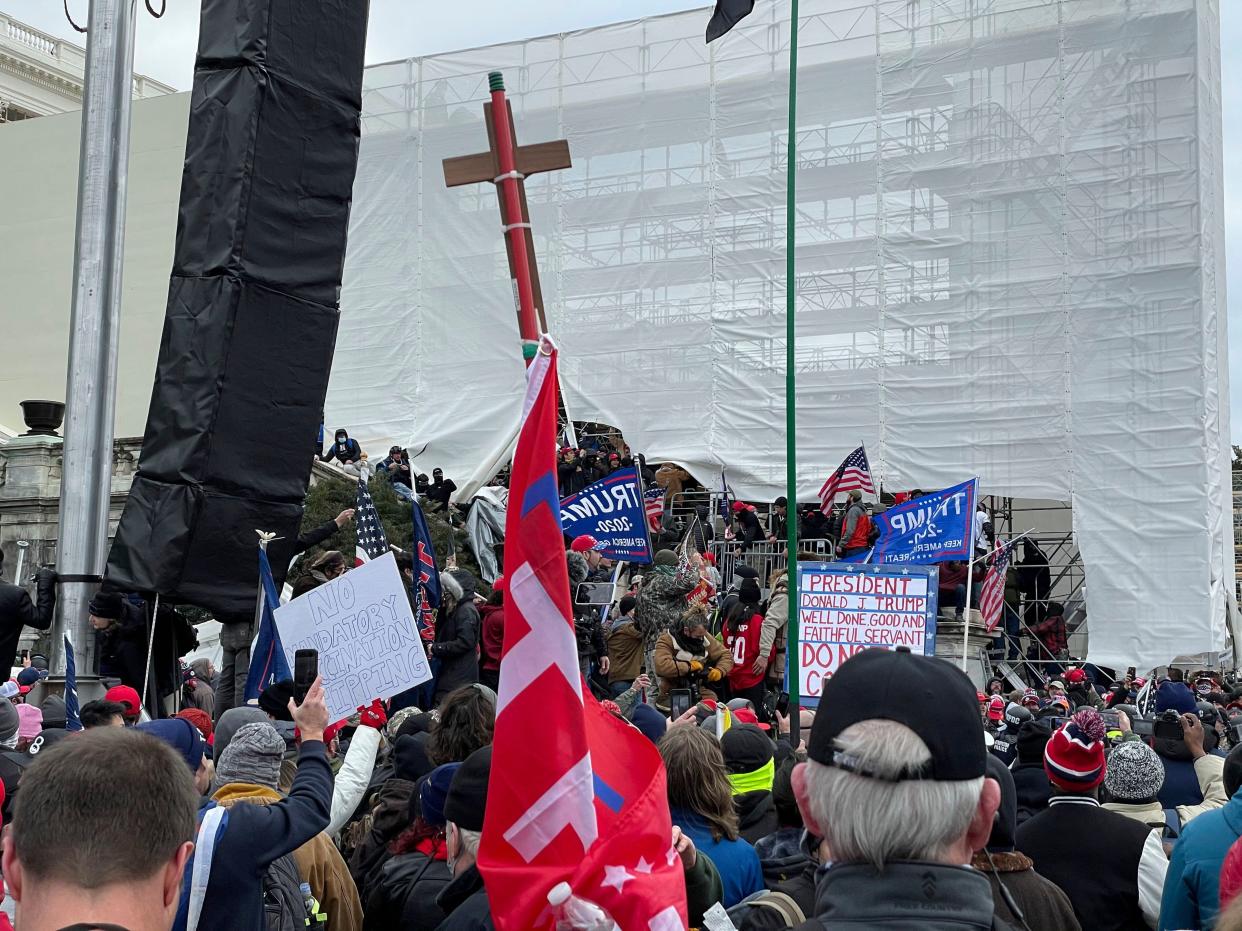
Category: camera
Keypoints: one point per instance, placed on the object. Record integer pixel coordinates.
(1167, 725)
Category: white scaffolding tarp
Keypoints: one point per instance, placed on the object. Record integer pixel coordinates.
(1010, 265)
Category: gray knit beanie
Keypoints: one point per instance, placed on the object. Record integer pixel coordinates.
(9, 720)
(253, 756)
(1135, 772)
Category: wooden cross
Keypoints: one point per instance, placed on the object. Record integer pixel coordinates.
(486, 166)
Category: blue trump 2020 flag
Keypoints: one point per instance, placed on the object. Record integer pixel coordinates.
(267, 657)
(426, 583)
(933, 528)
(613, 512)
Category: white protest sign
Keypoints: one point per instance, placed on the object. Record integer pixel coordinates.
(844, 609)
(363, 628)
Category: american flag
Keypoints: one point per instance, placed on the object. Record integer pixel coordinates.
(372, 541)
(653, 502)
(853, 473)
(992, 593)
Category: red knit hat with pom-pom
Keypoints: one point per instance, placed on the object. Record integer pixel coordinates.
(1074, 757)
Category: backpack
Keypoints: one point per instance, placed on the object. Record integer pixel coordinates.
(766, 910)
(284, 909)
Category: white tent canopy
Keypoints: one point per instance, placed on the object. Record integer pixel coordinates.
(1009, 265)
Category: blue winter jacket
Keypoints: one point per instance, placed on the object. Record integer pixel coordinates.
(255, 836)
(735, 860)
(1192, 890)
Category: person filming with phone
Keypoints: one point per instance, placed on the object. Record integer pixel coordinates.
(688, 657)
(245, 843)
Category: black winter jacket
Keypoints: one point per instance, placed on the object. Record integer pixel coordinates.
(1033, 789)
(464, 900)
(343, 450)
(404, 896)
(390, 817)
(123, 647)
(457, 641)
(926, 896)
(756, 815)
(18, 611)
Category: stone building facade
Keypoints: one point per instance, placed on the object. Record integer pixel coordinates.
(41, 74)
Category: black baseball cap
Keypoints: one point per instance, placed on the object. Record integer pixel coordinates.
(928, 695)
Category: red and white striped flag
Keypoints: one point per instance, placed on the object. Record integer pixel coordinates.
(992, 593)
(853, 473)
(581, 797)
(653, 503)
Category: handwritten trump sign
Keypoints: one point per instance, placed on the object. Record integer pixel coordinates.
(843, 609)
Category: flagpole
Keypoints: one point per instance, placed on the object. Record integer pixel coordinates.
(791, 385)
(970, 577)
(264, 537)
(970, 582)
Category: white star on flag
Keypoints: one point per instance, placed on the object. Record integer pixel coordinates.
(643, 866)
(617, 877)
(667, 920)
(671, 856)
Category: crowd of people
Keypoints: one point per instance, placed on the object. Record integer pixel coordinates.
(912, 800)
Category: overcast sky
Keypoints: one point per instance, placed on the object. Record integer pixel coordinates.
(404, 28)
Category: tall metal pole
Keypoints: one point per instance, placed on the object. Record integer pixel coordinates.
(90, 391)
(791, 383)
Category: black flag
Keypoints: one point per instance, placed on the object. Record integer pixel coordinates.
(728, 13)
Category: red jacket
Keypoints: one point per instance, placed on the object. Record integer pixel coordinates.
(862, 527)
(493, 639)
(741, 640)
(952, 576)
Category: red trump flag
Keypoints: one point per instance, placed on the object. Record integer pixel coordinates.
(575, 794)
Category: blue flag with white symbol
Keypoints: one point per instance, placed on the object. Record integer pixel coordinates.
(267, 657)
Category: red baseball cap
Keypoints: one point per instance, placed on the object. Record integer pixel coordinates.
(499, 584)
(747, 716)
(584, 543)
(996, 708)
(1075, 675)
(333, 729)
(125, 695)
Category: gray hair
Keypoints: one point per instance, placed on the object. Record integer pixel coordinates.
(468, 841)
(870, 820)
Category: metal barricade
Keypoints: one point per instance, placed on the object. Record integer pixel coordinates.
(765, 557)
